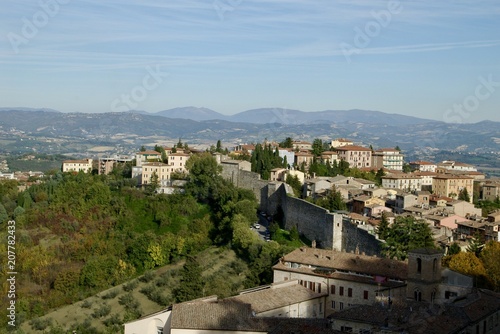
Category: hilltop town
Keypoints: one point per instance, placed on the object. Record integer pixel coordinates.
(347, 200)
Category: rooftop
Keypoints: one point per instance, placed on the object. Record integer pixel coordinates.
(353, 148)
(330, 259)
(278, 295)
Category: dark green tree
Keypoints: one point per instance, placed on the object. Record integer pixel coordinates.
(406, 168)
(294, 182)
(218, 147)
(287, 143)
(383, 227)
(317, 147)
(476, 244)
(406, 234)
(3, 214)
(154, 184)
(463, 195)
(454, 249)
(332, 201)
(191, 282)
(379, 175)
(203, 173)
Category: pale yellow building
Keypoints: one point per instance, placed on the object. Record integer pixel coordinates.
(356, 156)
(84, 165)
(451, 185)
(178, 161)
(163, 171)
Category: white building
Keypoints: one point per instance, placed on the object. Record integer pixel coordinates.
(388, 158)
(84, 165)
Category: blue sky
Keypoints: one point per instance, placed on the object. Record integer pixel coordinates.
(431, 59)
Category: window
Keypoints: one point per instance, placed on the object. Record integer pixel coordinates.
(320, 307)
(159, 330)
(419, 265)
(332, 289)
(341, 305)
(418, 295)
(365, 294)
(341, 291)
(319, 287)
(333, 304)
(349, 292)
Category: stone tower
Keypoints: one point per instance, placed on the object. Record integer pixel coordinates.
(424, 274)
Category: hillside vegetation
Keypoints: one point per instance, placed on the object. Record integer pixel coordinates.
(80, 234)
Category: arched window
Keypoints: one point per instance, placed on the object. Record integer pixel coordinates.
(417, 295)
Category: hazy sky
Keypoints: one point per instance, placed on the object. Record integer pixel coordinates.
(425, 58)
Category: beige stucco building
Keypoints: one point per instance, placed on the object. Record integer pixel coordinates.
(451, 185)
(84, 165)
(350, 279)
(356, 156)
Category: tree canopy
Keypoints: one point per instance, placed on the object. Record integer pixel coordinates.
(405, 234)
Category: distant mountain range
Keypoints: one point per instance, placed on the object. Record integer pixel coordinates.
(290, 116)
(421, 137)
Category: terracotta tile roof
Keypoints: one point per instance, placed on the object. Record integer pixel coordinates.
(303, 154)
(277, 296)
(387, 150)
(330, 259)
(424, 173)
(422, 163)
(149, 152)
(216, 315)
(452, 176)
(352, 148)
(357, 216)
(159, 164)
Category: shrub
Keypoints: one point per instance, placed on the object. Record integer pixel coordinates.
(147, 277)
(40, 324)
(86, 303)
(130, 286)
(102, 311)
(111, 294)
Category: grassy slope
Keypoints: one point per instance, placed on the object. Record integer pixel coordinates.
(213, 261)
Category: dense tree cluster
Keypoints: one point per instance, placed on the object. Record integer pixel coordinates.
(405, 234)
(480, 262)
(264, 158)
(77, 234)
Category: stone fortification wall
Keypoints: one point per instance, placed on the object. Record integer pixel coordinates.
(246, 180)
(314, 222)
(355, 239)
(329, 230)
